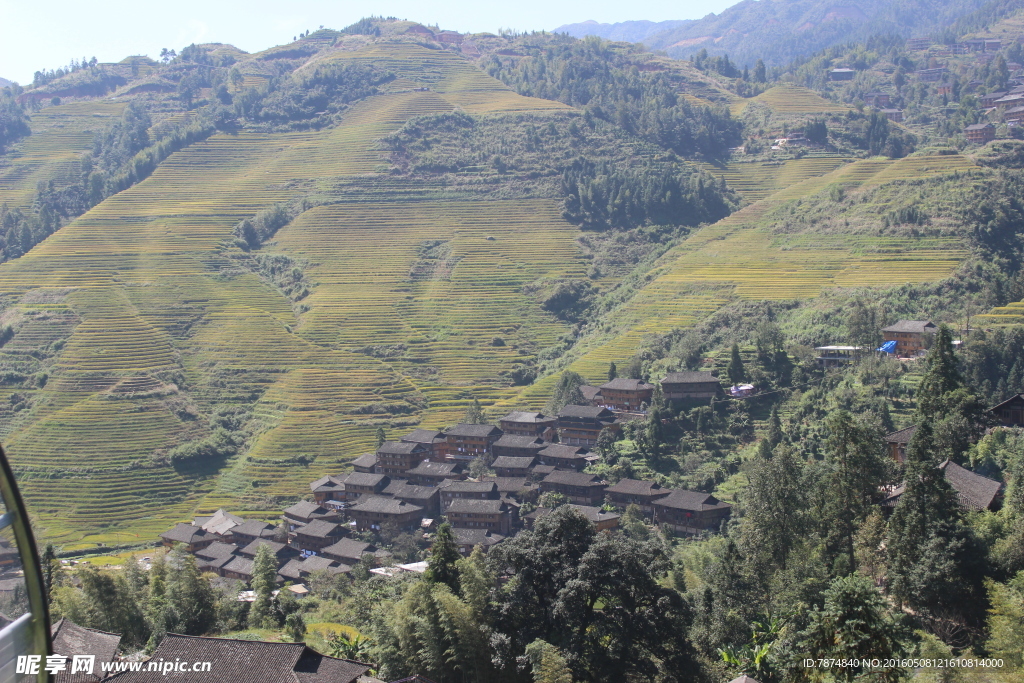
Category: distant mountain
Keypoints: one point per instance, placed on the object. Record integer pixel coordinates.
(630, 31)
(4, 82)
(779, 31)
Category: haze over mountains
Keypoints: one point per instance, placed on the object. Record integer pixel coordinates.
(778, 31)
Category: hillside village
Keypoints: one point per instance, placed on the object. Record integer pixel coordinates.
(728, 355)
(490, 481)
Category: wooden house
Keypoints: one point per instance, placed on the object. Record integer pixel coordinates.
(328, 487)
(192, 537)
(636, 492)
(469, 441)
(398, 457)
(426, 497)
(468, 490)
(517, 446)
(581, 425)
(305, 512)
(841, 74)
(431, 473)
(249, 530)
(360, 484)
(877, 99)
(579, 488)
(1010, 412)
(897, 443)
(624, 395)
(266, 661)
(473, 513)
(348, 551)
(519, 423)
(980, 133)
(431, 439)
(690, 512)
(315, 536)
(565, 457)
(973, 491)
(467, 539)
(373, 511)
(365, 463)
(910, 336)
(602, 521)
(505, 466)
(690, 386)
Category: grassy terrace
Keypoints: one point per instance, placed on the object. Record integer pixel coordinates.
(791, 99)
(738, 257)
(60, 135)
(149, 324)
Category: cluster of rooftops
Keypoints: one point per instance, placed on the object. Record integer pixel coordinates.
(413, 483)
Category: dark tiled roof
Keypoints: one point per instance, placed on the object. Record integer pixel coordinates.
(518, 441)
(252, 527)
(70, 639)
(471, 487)
(594, 514)
(315, 563)
(217, 550)
(473, 430)
(973, 491)
(247, 661)
(384, 505)
(589, 392)
(518, 416)
(318, 528)
(561, 450)
(697, 501)
(250, 550)
(572, 479)
(902, 436)
(364, 479)
(434, 469)
(327, 483)
(919, 326)
(423, 436)
(394, 485)
(304, 509)
(401, 448)
(626, 384)
(509, 462)
(367, 460)
(1019, 398)
(475, 537)
(636, 487)
(689, 377)
(348, 548)
(291, 570)
(586, 412)
(542, 469)
(979, 126)
(186, 533)
(239, 565)
(511, 484)
(475, 505)
(413, 492)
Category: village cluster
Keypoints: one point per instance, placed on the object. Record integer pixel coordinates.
(410, 484)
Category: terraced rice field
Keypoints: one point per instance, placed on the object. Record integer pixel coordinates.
(452, 77)
(737, 258)
(756, 180)
(791, 99)
(136, 297)
(60, 135)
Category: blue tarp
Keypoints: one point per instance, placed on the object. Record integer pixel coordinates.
(888, 347)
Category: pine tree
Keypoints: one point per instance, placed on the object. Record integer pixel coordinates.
(775, 434)
(760, 73)
(941, 376)
(475, 414)
(612, 371)
(735, 370)
(381, 436)
(444, 554)
(264, 571)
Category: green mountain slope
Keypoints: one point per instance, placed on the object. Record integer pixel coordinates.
(240, 319)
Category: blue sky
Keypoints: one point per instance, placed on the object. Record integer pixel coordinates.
(49, 33)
